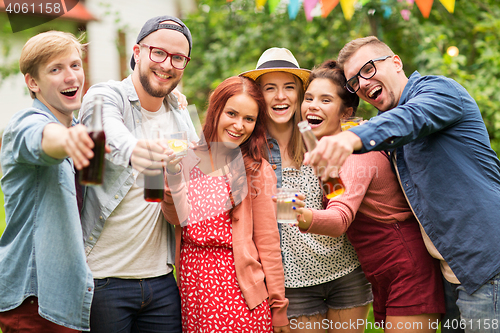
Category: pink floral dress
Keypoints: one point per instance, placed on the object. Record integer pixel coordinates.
(211, 298)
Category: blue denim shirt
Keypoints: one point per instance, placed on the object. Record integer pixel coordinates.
(448, 171)
(41, 249)
(122, 120)
(274, 157)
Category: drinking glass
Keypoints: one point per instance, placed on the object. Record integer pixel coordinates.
(284, 198)
(178, 143)
(347, 123)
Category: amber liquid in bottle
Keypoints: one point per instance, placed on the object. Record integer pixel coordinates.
(153, 188)
(153, 185)
(333, 186)
(94, 172)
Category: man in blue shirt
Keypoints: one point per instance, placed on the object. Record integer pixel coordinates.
(45, 283)
(447, 169)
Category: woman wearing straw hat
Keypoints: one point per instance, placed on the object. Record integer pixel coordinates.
(323, 277)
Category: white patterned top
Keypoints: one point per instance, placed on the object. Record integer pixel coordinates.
(311, 259)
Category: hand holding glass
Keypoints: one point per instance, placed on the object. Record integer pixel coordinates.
(285, 198)
(178, 143)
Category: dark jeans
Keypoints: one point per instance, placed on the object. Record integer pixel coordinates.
(127, 305)
(450, 321)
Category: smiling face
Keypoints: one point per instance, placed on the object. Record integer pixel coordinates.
(281, 92)
(237, 120)
(159, 79)
(59, 84)
(323, 108)
(384, 89)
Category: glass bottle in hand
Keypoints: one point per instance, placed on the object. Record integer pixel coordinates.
(94, 172)
(333, 186)
(153, 185)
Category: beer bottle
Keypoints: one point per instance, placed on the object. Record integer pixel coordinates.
(94, 172)
(153, 185)
(333, 186)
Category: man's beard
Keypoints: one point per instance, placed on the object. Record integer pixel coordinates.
(143, 78)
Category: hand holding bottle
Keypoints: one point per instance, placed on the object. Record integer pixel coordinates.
(78, 146)
(93, 173)
(332, 185)
(150, 156)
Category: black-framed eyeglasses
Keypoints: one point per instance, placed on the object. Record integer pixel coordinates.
(366, 72)
(159, 55)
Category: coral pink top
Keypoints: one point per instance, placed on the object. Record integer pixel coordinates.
(372, 188)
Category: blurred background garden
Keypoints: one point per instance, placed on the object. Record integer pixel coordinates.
(455, 38)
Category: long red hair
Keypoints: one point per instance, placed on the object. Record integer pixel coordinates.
(253, 148)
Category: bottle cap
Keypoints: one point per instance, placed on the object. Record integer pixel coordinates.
(304, 126)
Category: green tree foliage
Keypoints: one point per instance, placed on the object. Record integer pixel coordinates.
(228, 38)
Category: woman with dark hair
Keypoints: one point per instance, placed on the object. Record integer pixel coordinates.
(406, 280)
(228, 255)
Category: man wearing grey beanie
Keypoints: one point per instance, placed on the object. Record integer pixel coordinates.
(129, 245)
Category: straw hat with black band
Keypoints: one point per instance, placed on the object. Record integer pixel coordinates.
(278, 59)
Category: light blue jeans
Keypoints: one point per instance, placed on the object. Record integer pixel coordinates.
(480, 312)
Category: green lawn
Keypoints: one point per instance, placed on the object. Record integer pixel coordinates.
(371, 319)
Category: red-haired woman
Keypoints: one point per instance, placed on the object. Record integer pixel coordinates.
(228, 255)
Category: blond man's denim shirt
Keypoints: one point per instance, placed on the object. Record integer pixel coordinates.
(448, 171)
(41, 249)
(122, 124)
